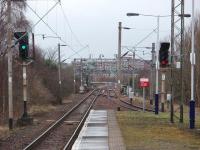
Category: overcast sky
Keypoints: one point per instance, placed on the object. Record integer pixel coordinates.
(95, 23)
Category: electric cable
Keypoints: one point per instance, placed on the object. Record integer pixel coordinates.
(67, 21)
(77, 52)
(41, 19)
(5, 51)
(145, 38)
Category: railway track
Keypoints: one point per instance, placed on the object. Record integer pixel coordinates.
(62, 133)
(136, 107)
(127, 105)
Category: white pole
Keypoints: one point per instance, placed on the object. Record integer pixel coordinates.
(192, 60)
(59, 75)
(10, 71)
(193, 55)
(157, 67)
(81, 73)
(25, 115)
(74, 77)
(143, 99)
(119, 53)
(133, 77)
(157, 54)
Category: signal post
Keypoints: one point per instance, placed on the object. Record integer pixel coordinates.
(164, 63)
(23, 40)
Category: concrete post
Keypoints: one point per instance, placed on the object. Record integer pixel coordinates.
(10, 79)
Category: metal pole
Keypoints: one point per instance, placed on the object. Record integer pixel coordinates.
(133, 80)
(163, 93)
(192, 57)
(171, 70)
(74, 76)
(59, 75)
(181, 61)
(10, 90)
(119, 54)
(25, 114)
(81, 73)
(151, 86)
(152, 74)
(3, 89)
(143, 99)
(33, 40)
(157, 67)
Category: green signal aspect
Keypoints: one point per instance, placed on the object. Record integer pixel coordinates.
(23, 47)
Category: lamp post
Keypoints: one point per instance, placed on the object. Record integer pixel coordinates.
(119, 52)
(59, 65)
(157, 53)
(59, 74)
(133, 64)
(74, 76)
(182, 16)
(192, 57)
(10, 71)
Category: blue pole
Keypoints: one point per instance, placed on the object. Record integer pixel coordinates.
(156, 104)
(192, 114)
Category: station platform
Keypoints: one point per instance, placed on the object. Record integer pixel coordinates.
(100, 132)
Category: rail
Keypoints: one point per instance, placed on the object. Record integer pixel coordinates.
(39, 139)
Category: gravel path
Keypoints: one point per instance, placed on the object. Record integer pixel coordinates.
(20, 137)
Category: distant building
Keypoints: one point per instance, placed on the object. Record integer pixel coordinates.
(102, 69)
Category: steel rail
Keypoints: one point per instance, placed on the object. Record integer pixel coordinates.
(150, 110)
(39, 139)
(74, 136)
(128, 106)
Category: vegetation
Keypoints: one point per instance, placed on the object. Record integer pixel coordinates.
(42, 74)
(149, 131)
(187, 66)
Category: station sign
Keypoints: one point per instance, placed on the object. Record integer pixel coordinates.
(144, 82)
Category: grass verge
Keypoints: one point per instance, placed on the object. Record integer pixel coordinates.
(39, 109)
(146, 131)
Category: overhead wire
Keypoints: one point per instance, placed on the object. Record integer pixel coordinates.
(41, 19)
(30, 30)
(54, 32)
(67, 21)
(142, 59)
(77, 52)
(145, 38)
(134, 47)
(70, 28)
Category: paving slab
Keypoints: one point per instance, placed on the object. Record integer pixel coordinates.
(100, 132)
(115, 137)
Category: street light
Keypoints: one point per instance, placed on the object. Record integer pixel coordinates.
(126, 28)
(59, 65)
(157, 53)
(119, 52)
(185, 15)
(157, 48)
(132, 14)
(133, 72)
(74, 68)
(182, 16)
(133, 76)
(59, 74)
(192, 56)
